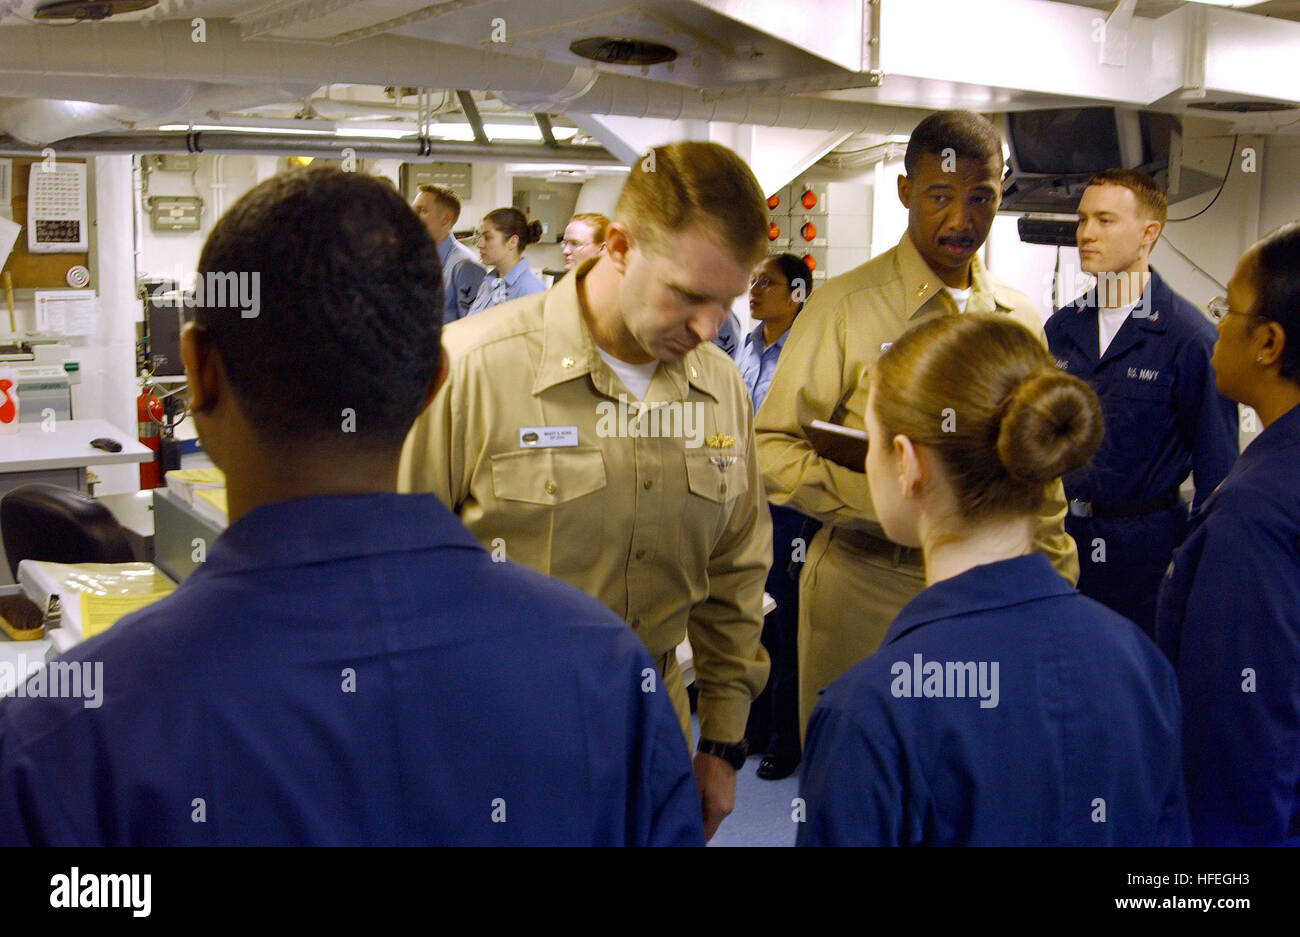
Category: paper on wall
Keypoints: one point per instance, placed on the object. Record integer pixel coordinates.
(8, 238)
(66, 312)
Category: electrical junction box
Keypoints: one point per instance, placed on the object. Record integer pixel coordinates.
(175, 212)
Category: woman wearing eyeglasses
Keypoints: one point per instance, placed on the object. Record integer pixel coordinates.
(1229, 609)
(777, 290)
(584, 236)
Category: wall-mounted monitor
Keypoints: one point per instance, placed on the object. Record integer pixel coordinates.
(1055, 152)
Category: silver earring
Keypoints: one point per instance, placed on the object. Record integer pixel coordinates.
(1259, 358)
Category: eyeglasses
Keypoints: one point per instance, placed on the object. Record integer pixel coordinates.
(761, 283)
(577, 245)
(1220, 309)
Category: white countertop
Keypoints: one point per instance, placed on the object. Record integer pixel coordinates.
(32, 449)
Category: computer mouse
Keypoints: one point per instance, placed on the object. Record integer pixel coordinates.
(108, 445)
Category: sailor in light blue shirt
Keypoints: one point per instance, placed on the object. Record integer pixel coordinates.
(777, 289)
(776, 294)
(503, 237)
(462, 275)
(438, 207)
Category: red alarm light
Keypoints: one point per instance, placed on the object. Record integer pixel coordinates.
(773, 201)
(773, 231)
(809, 262)
(809, 199)
(809, 231)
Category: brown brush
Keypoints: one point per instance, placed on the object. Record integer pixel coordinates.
(21, 618)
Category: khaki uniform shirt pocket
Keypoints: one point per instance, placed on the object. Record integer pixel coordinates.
(551, 504)
(713, 491)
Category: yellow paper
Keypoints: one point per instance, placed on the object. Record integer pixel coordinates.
(107, 591)
(203, 476)
(100, 612)
(216, 498)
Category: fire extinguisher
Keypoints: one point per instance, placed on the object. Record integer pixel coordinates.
(149, 417)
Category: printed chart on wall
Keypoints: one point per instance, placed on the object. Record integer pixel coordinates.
(56, 208)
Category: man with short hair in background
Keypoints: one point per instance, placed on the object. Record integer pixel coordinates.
(348, 666)
(439, 209)
(593, 433)
(1146, 352)
(856, 580)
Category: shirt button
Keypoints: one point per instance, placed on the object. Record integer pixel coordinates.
(920, 290)
(640, 554)
(723, 488)
(551, 488)
(635, 623)
(647, 484)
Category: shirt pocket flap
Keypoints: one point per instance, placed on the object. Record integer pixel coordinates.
(716, 477)
(547, 476)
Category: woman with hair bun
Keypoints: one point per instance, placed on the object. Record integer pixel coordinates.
(1003, 707)
(503, 236)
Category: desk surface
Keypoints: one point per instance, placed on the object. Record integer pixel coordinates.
(32, 449)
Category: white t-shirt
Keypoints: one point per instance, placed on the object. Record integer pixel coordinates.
(636, 377)
(960, 296)
(1109, 322)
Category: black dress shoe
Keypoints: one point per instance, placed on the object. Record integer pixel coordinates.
(774, 769)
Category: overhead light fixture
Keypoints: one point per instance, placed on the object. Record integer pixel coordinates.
(93, 10)
(385, 130)
(320, 128)
(464, 133)
(618, 51)
(1230, 3)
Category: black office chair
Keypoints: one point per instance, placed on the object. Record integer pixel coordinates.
(48, 522)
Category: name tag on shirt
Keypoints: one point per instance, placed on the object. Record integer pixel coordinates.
(544, 437)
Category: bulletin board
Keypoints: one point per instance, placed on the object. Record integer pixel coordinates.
(44, 271)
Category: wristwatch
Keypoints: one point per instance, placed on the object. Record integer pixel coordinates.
(733, 755)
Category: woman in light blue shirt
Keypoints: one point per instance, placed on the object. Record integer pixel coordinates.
(503, 237)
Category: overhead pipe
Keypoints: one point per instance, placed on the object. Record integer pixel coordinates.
(208, 141)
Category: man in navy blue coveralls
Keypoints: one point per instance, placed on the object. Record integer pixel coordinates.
(349, 665)
(1146, 352)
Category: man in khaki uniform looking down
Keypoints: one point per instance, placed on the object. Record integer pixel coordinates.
(594, 433)
(856, 581)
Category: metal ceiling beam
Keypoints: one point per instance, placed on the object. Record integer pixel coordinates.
(544, 125)
(471, 114)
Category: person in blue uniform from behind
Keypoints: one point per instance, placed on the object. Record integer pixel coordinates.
(1003, 707)
(349, 666)
(1229, 614)
(777, 291)
(728, 336)
(1146, 352)
(504, 234)
(439, 208)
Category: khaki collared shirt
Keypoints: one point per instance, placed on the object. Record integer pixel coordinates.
(822, 375)
(544, 453)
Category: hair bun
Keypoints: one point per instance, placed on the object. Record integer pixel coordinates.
(534, 232)
(1051, 424)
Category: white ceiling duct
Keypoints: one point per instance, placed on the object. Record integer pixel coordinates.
(166, 51)
(42, 122)
(64, 107)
